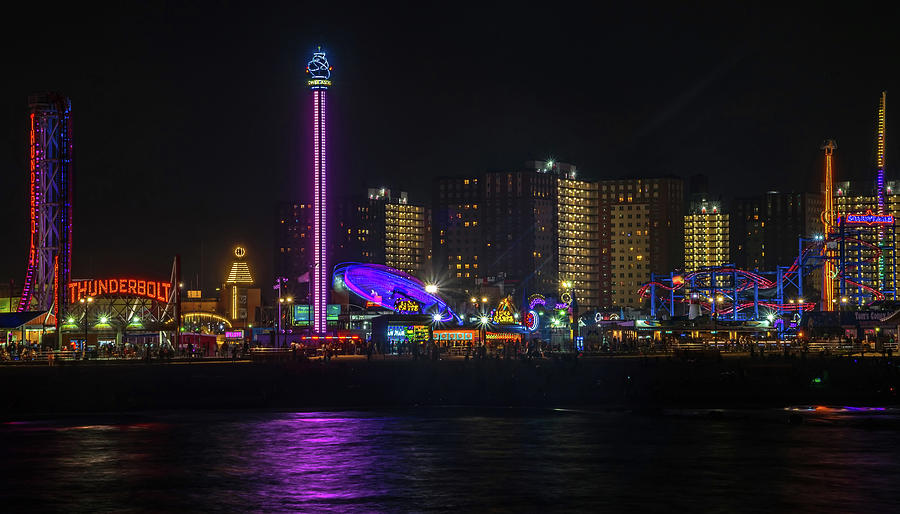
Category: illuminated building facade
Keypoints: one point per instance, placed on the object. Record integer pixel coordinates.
(240, 300)
(859, 197)
(319, 71)
(457, 243)
(578, 211)
(50, 203)
(706, 236)
(641, 231)
(404, 237)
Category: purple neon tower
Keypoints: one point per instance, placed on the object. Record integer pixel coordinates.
(319, 72)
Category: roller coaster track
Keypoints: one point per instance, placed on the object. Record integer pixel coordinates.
(763, 283)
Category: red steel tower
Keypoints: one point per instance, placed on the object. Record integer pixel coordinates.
(50, 207)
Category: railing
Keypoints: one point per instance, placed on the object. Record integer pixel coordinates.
(37, 357)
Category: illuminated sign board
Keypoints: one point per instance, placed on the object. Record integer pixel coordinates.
(411, 333)
(303, 314)
(154, 289)
(503, 337)
(236, 334)
(869, 219)
(407, 307)
(504, 315)
(194, 293)
(459, 336)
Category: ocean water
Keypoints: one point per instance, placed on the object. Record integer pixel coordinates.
(837, 459)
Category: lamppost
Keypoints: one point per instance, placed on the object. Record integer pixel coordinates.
(573, 324)
(283, 301)
(85, 302)
(844, 301)
(484, 321)
(716, 303)
(279, 281)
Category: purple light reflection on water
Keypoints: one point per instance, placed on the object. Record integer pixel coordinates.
(310, 461)
(450, 459)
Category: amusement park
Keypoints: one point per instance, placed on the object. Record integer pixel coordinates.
(839, 291)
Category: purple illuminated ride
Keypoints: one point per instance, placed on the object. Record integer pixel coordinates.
(319, 80)
(50, 207)
(388, 287)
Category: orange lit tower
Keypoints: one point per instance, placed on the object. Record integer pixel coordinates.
(828, 218)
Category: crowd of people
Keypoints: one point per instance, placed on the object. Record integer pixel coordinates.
(15, 351)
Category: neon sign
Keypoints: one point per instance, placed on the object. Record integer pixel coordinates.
(319, 70)
(408, 307)
(869, 219)
(536, 300)
(504, 337)
(153, 289)
(504, 314)
(414, 333)
(531, 321)
(237, 334)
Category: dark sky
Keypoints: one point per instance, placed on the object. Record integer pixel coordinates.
(192, 122)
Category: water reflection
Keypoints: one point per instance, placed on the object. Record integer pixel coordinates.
(451, 459)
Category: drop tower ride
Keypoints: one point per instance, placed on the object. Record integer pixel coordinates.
(319, 72)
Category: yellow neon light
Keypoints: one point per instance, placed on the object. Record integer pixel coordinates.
(828, 217)
(881, 128)
(210, 315)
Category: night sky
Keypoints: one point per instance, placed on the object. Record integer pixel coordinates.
(191, 123)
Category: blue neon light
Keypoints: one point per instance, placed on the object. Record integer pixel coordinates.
(318, 67)
(869, 219)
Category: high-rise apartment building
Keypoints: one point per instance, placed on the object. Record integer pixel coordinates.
(748, 222)
(404, 232)
(578, 212)
(519, 230)
(767, 228)
(706, 236)
(641, 231)
(457, 243)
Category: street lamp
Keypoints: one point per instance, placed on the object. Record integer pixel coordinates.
(85, 302)
(718, 300)
(279, 283)
(431, 288)
(483, 325)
